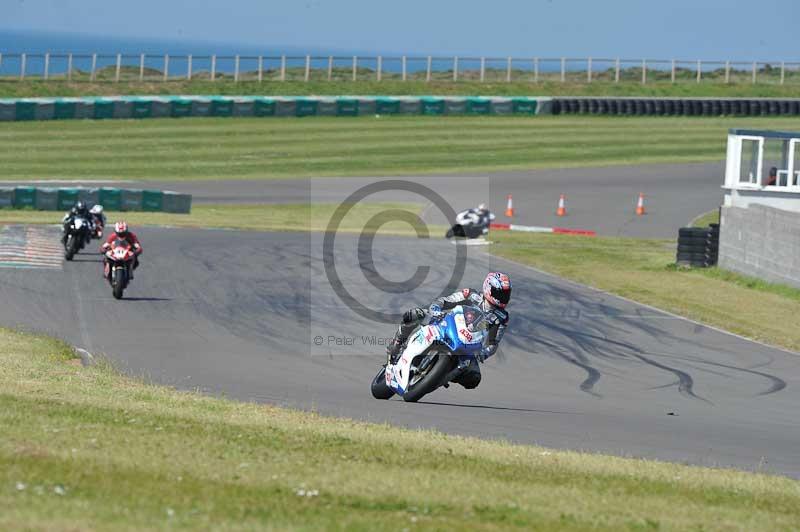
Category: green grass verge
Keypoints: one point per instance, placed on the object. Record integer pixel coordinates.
(257, 217)
(710, 217)
(645, 271)
(32, 88)
(85, 448)
(251, 148)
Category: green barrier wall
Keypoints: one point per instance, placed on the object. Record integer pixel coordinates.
(47, 199)
(67, 197)
(346, 107)
(180, 108)
(6, 197)
(152, 200)
(131, 199)
(25, 197)
(478, 106)
(387, 106)
(305, 107)
(524, 106)
(432, 106)
(185, 106)
(64, 110)
(26, 110)
(110, 199)
(141, 108)
(103, 109)
(264, 107)
(221, 107)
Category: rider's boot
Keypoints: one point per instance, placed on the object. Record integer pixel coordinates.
(393, 350)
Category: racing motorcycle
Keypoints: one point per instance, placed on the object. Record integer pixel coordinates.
(435, 355)
(76, 234)
(118, 266)
(470, 224)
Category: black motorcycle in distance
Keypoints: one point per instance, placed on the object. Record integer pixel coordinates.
(77, 233)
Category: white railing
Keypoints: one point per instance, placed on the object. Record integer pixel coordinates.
(126, 67)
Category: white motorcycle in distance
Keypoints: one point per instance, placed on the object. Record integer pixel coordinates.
(472, 223)
(435, 355)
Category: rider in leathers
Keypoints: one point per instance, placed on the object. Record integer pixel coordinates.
(492, 299)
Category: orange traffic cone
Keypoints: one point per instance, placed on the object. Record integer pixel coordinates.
(562, 208)
(640, 205)
(510, 207)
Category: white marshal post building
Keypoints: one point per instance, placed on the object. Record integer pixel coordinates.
(760, 217)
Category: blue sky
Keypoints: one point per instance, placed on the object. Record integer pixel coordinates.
(704, 29)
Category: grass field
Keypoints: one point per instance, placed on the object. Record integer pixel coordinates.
(226, 148)
(644, 270)
(688, 88)
(85, 448)
(281, 217)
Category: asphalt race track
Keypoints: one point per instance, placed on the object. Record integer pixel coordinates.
(239, 313)
(600, 199)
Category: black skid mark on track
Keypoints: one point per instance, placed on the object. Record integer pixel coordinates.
(685, 381)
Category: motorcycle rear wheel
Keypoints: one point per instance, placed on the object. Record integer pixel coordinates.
(431, 381)
(379, 388)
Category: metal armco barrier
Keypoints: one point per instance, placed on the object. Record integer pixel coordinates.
(112, 199)
(139, 107)
(676, 106)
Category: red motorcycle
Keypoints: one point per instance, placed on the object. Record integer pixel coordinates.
(119, 265)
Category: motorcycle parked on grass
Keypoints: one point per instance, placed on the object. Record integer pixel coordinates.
(119, 266)
(76, 234)
(435, 355)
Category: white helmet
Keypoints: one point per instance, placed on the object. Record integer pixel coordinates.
(482, 207)
(97, 209)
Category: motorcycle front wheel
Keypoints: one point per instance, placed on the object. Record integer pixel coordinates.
(430, 380)
(118, 282)
(70, 248)
(379, 388)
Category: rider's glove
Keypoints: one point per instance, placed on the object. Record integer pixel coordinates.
(436, 312)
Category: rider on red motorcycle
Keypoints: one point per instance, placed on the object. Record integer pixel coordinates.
(121, 232)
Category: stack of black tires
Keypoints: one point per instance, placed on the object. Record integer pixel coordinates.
(676, 106)
(698, 246)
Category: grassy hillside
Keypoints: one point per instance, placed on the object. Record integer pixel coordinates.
(688, 88)
(222, 148)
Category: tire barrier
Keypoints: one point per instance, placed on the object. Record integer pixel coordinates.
(140, 107)
(676, 106)
(698, 246)
(112, 199)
